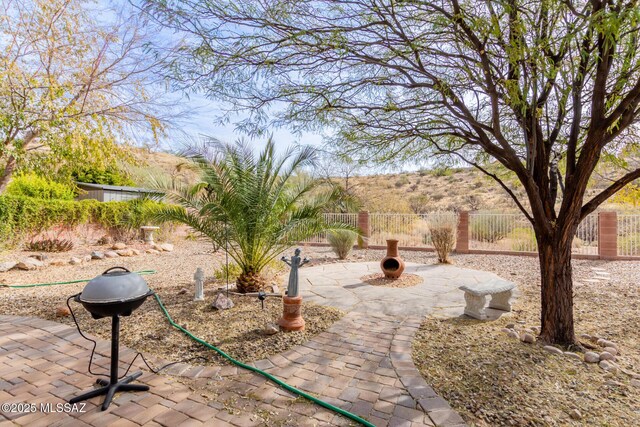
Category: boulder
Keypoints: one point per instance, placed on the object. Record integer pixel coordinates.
(608, 366)
(575, 414)
(605, 355)
(97, 255)
(222, 302)
(124, 252)
(6, 266)
(29, 264)
(528, 338)
(591, 357)
(75, 261)
(62, 311)
(513, 334)
(611, 350)
(136, 251)
(111, 254)
(604, 343)
(271, 329)
(552, 349)
(572, 355)
(118, 246)
(167, 247)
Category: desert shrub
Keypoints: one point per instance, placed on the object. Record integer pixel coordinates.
(32, 185)
(523, 239)
(403, 180)
(442, 171)
(442, 227)
(341, 241)
(50, 245)
(490, 228)
(233, 270)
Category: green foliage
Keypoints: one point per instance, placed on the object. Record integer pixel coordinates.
(233, 270)
(50, 245)
(402, 181)
(105, 176)
(490, 228)
(342, 241)
(442, 171)
(22, 216)
(251, 202)
(32, 185)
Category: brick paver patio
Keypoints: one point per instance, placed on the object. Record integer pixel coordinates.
(361, 364)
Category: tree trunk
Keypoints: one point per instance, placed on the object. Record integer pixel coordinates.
(556, 290)
(7, 174)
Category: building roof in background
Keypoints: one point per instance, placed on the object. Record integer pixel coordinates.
(86, 185)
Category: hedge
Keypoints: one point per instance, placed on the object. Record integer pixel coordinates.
(21, 215)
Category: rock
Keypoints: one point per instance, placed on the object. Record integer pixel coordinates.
(605, 355)
(111, 254)
(275, 289)
(62, 311)
(136, 251)
(514, 334)
(167, 247)
(552, 349)
(634, 382)
(612, 383)
(118, 246)
(152, 251)
(611, 350)
(125, 252)
(511, 326)
(573, 355)
(604, 343)
(97, 255)
(29, 264)
(591, 357)
(58, 262)
(505, 330)
(535, 329)
(182, 291)
(271, 329)
(75, 261)
(528, 338)
(40, 257)
(222, 302)
(86, 258)
(585, 337)
(608, 366)
(575, 414)
(6, 266)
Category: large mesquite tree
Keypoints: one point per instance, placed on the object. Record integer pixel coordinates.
(547, 88)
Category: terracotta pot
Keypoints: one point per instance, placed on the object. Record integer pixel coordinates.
(291, 319)
(392, 265)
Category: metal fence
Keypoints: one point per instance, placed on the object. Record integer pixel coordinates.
(344, 218)
(629, 235)
(411, 230)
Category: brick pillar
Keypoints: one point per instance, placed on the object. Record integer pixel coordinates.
(462, 238)
(363, 226)
(607, 235)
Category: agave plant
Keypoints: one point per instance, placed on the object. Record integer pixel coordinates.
(253, 204)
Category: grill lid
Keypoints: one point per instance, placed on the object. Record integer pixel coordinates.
(114, 286)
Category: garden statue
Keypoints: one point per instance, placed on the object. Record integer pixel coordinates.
(295, 263)
(291, 319)
(199, 278)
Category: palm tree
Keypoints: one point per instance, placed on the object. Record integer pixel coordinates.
(253, 204)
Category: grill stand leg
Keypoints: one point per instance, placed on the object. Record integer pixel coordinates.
(109, 388)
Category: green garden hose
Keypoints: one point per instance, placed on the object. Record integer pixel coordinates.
(35, 285)
(222, 353)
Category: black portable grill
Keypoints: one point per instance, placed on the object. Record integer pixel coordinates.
(116, 292)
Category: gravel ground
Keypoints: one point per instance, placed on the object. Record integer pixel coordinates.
(237, 331)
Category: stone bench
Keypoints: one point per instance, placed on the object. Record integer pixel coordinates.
(475, 296)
